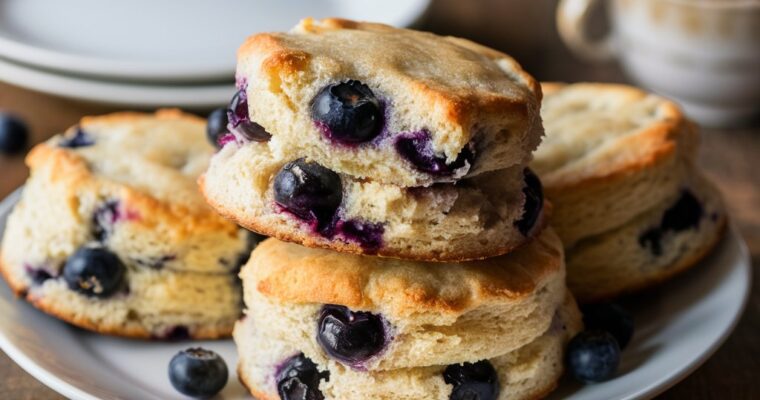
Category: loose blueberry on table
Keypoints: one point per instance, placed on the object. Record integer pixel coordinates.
(534, 202)
(472, 381)
(593, 356)
(198, 372)
(308, 190)
(13, 134)
(417, 148)
(216, 125)
(240, 121)
(351, 337)
(94, 271)
(348, 112)
(610, 318)
(298, 379)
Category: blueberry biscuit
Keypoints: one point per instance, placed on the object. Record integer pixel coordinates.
(304, 202)
(615, 162)
(397, 106)
(346, 326)
(112, 235)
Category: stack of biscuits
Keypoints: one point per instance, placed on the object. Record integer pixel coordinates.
(409, 257)
(629, 202)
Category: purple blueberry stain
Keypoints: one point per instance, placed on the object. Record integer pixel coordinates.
(225, 139)
(534, 202)
(685, 214)
(240, 122)
(105, 218)
(80, 138)
(417, 149)
(39, 275)
(368, 235)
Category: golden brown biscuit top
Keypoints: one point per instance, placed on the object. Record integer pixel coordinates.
(151, 161)
(288, 272)
(458, 76)
(595, 131)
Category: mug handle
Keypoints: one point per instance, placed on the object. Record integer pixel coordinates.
(572, 19)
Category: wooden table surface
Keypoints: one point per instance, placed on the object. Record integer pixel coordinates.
(731, 158)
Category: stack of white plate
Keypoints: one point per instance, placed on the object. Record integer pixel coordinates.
(153, 53)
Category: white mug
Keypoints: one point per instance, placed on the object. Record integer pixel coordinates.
(705, 54)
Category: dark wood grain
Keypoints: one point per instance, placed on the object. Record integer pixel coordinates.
(525, 29)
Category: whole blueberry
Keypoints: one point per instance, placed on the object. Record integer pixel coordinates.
(298, 379)
(417, 148)
(216, 125)
(348, 112)
(198, 372)
(593, 356)
(610, 318)
(13, 134)
(94, 271)
(350, 336)
(240, 121)
(472, 381)
(534, 202)
(308, 190)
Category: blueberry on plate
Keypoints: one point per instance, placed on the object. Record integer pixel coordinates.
(534, 202)
(94, 271)
(308, 190)
(298, 379)
(611, 318)
(348, 112)
(216, 125)
(350, 336)
(593, 356)
(198, 372)
(472, 381)
(240, 120)
(13, 134)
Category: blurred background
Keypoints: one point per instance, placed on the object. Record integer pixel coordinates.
(60, 60)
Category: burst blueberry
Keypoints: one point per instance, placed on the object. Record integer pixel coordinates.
(472, 381)
(417, 148)
(348, 112)
(198, 372)
(79, 138)
(240, 121)
(13, 134)
(298, 379)
(94, 271)
(216, 126)
(308, 190)
(610, 318)
(534, 202)
(593, 356)
(685, 214)
(351, 337)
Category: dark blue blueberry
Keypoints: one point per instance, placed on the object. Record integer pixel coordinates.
(37, 275)
(351, 337)
(13, 134)
(198, 372)
(80, 138)
(685, 214)
(240, 122)
(216, 125)
(609, 318)
(176, 333)
(417, 148)
(94, 271)
(593, 356)
(368, 235)
(477, 381)
(308, 190)
(298, 379)
(348, 112)
(534, 202)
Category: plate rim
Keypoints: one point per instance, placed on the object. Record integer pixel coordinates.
(648, 391)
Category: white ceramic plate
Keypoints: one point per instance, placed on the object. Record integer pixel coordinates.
(674, 335)
(117, 93)
(166, 40)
